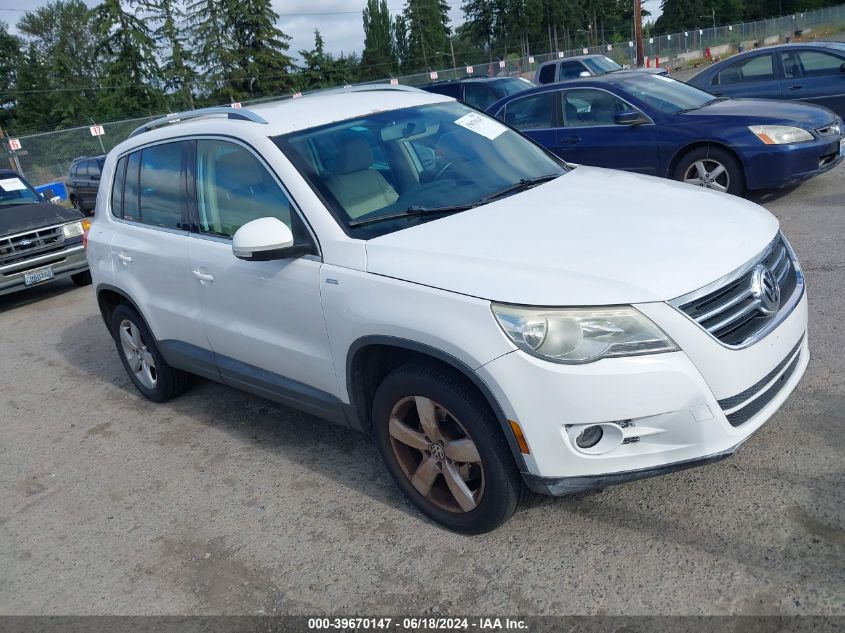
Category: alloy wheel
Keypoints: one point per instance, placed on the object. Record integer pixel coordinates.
(436, 454)
(708, 173)
(140, 360)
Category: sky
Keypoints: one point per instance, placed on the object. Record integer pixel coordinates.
(339, 21)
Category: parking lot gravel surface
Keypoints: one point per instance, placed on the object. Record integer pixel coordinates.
(221, 503)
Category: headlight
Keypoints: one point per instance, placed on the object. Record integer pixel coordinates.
(780, 134)
(74, 229)
(581, 335)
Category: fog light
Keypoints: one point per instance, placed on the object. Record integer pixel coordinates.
(589, 437)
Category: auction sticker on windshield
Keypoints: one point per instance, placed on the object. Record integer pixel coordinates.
(481, 125)
(12, 184)
(35, 276)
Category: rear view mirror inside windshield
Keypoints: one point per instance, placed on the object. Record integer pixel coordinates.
(408, 130)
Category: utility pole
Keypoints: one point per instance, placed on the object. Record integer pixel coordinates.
(638, 30)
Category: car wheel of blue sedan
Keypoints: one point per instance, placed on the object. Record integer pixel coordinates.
(711, 168)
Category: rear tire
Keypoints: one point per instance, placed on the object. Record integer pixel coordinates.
(82, 279)
(142, 360)
(459, 470)
(711, 168)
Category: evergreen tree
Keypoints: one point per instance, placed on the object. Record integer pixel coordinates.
(213, 47)
(10, 59)
(62, 55)
(177, 75)
(428, 33)
(399, 35)
(378, 59)
(130, 71)
(323, 70)
(261, 65)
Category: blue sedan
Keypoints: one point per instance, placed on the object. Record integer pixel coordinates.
(655, 125)
(812, 72)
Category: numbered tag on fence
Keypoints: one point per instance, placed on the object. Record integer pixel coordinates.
(14, 143)
(96, 130)
(236, 105)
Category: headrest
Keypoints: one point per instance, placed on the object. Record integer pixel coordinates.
(355, 155)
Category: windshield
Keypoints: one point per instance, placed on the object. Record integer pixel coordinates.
(601, 64)
(14, 191)
(665, 94)
(402, 163)
(510, 86)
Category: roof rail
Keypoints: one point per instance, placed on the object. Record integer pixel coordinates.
(368, 87)
(241, 114)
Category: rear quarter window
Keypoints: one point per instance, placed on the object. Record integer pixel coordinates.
(547, 74)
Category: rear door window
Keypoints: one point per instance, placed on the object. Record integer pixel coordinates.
(758, 68)
(536, 112)
(162, 197)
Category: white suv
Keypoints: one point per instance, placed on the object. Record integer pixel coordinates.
(398, 263)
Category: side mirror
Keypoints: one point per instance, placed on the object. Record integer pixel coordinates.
(628, 117)
(583, 74)
(263, 240)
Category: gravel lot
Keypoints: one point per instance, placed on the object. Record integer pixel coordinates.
(221, 502)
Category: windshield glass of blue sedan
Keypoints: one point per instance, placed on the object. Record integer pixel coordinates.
(420, 158)
(666, 95)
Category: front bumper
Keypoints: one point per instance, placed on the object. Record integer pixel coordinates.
(668, 404)
(775, 166)
(65, 262)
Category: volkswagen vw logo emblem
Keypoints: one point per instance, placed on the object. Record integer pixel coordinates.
(765, 289)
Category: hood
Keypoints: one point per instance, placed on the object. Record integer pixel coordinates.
(591, 237)
(795, 113)
(27, 217)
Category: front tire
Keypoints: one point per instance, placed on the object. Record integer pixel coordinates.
(142, 360)
(711, 168)
(442, 445)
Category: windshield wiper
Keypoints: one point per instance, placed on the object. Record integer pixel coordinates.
(410, 212)
(706, 103)
(524, 183)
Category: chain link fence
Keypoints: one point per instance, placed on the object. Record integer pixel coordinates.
(46, 157)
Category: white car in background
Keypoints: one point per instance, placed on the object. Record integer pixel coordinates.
(403, 265)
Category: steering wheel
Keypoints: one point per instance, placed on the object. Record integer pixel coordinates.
(439, 174)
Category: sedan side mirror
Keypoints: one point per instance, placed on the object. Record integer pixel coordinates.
(628, 117)
(583, 74)
(263, 240)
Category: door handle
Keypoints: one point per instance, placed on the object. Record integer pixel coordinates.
(203, 277)
(124, 258)
(796, 87)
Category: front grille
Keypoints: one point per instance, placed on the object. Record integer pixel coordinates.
(23, 246)
(735, 312)
(753, 407)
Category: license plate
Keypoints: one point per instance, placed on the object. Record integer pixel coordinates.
(36, 276)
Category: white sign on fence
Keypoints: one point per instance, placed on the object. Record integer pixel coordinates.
(394, 82)
(432, 74)
(668, 38)
(470, 70)
(96, 130)
(701, 31)
(502, 64)
(297, 95)
(560, 55)
(686, 33)
(630, 45)
(531, 59)
(14, 143)
(236, 105)
(651, 40)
